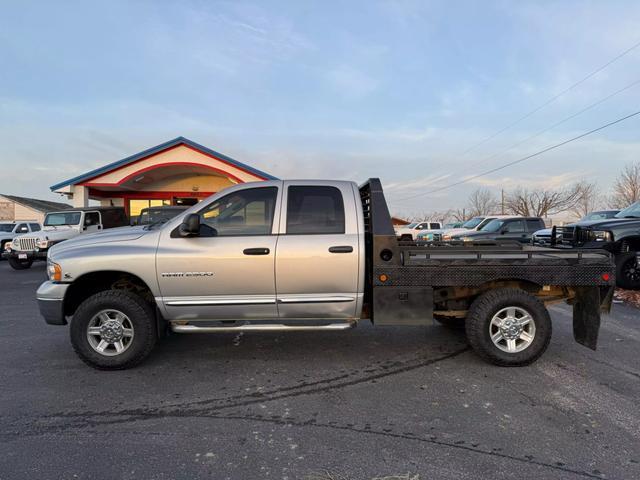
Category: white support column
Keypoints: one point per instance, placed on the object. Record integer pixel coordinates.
(80, 196)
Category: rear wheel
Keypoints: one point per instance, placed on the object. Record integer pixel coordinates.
(508, 327)
(113, 330)
(628, 271)
(17, 264)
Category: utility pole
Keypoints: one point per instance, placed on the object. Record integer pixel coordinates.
(502, 201)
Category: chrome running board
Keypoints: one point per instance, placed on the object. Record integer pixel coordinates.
(260, 328)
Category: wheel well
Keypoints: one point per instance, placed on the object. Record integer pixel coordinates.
(92, 283)
(629, 244)
(458, 299)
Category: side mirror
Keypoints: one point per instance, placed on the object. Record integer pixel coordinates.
(190, 225)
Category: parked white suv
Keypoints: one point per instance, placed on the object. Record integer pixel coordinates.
(26, 248)
(9, 230)
(410, 232)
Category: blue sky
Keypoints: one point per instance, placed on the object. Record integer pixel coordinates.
(349, 90)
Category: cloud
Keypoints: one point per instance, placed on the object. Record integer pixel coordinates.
(351, 82)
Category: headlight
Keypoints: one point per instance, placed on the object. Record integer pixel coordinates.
(42, 243)
(601, 236)
(54, 271)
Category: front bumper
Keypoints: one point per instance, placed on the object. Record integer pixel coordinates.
(30, 255)
(50, 297)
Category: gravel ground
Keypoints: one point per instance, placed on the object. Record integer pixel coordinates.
(405, 403)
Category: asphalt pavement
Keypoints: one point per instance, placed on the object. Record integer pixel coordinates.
(372, 402)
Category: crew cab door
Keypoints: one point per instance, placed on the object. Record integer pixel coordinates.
(227, 272)
(317, 260)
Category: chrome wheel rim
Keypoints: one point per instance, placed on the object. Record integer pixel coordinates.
(512, 329)
(110, 332)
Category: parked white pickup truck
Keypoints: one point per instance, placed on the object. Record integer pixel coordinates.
(309, 255)
(26, 248)
(411, 231)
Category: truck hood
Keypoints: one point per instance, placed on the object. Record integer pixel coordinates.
(609, 223)
(120, 234)
(456, 231)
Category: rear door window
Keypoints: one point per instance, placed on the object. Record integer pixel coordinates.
(314, 210)
(534, 225)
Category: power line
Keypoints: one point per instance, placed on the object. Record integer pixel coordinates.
(551, 127)
(552, 99)
(520, 160)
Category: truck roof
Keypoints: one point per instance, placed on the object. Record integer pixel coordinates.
(88, 209)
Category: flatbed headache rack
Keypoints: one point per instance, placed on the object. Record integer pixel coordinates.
(401, 276)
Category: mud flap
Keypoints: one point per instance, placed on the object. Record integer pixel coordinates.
(586, 316)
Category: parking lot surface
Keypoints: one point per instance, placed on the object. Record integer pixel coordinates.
(403, 403)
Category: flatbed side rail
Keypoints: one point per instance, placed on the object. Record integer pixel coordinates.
(413, 256)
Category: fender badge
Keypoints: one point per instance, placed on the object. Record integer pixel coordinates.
(186, 274)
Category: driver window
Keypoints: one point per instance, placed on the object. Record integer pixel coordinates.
(91, 219)
(515, 227)
(246, 212)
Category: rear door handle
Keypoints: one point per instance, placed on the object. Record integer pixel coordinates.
(341, 249)
(256, 251)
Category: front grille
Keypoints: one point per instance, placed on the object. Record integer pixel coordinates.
(24, 244)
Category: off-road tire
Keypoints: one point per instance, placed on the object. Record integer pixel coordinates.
(623, 263)
(489, 304)
(454, 323)
(140, 314)
(20, 264)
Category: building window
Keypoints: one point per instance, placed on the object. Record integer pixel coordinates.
(136, 206)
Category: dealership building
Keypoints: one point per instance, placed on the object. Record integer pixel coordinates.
(178, 172)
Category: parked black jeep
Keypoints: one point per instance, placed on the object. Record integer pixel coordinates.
(619, 235)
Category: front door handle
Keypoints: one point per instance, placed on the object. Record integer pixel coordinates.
(341, 249)
(256, 251)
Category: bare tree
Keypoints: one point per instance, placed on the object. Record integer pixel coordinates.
(626, 189)
(541, 202)
(590, 199)
(481, 202)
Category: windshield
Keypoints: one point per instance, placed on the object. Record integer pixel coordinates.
(473, 223)
(62, 218)
(596, 216)
(493, 225)
(411, 225)
(6, 227)
(632, 211)
(150, 216)
(484, 223)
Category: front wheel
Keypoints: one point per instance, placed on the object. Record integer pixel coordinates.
(17, 264)
(113, 330)
(508, 327)
(628, 271)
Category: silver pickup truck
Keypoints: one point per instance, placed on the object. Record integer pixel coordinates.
(310, 255)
